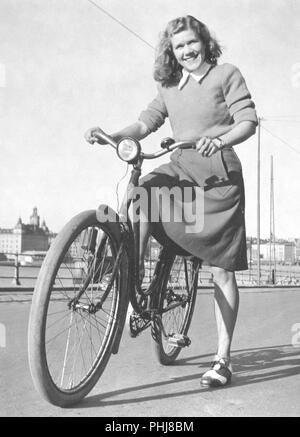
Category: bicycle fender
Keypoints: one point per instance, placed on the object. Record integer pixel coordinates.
(123, 232)
(121, 225)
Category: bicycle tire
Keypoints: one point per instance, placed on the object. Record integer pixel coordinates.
(52, 306)
(174, 290)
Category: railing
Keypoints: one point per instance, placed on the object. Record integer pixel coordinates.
(13, 273)
(18, 274)
(10, 269)
(280, 277)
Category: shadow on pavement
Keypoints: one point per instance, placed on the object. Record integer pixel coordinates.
(266, 364)
(250, 366)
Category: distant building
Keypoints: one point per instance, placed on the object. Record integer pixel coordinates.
(284, 252)
(297, 243)
(26, 237)
(290, 252)
(265, 252)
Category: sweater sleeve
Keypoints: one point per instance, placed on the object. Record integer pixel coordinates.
(237, 96)
(155, 114)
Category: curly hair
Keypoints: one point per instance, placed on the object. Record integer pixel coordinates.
(167, 70)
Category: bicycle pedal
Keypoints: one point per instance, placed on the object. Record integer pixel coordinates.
(179, 340)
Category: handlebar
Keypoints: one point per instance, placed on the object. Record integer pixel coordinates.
(101, 135)
(174, 146)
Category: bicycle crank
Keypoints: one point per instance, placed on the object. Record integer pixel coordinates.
(137, 323)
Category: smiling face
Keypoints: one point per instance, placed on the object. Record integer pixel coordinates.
(189, 50)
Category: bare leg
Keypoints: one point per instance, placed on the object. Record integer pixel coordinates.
(226, 308)
(144, 237)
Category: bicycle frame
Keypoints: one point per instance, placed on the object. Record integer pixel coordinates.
(133, 231)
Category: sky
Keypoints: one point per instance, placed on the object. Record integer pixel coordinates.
(66, 66)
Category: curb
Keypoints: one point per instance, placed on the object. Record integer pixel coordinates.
(24, 294)
(15, 298)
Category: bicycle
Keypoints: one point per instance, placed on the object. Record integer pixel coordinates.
(85, 284)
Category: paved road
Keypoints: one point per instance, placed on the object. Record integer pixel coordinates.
(266, 364)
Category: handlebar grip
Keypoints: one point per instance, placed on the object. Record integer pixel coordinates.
(188, 146)
(101, 135)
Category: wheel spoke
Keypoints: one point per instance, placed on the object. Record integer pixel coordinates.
(66, 352)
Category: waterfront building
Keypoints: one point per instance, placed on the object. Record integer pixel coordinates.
(26, 237)
(285, 252)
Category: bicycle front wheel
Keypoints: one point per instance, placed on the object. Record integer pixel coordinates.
(175, 306)
(79, 305)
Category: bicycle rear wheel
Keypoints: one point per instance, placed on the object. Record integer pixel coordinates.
(175, 305)
(79, 306)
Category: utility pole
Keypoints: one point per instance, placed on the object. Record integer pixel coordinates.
(258, 200)
(271, 238)
(250, 255)
(272, 227)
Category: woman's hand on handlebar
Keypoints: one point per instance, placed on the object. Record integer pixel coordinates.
(206, 147)
(90, 136)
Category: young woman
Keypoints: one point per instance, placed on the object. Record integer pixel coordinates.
(208, 104)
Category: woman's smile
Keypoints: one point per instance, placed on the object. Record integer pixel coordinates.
(188, 50)
(192, 58)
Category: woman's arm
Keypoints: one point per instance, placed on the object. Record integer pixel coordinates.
(241, 132)
(137, 130)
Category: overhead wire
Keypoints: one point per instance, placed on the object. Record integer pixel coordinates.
(100, 8)
(281, 140)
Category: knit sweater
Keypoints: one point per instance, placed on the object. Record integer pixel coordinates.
(209, 108)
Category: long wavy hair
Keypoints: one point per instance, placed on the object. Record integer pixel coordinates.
(167, 70)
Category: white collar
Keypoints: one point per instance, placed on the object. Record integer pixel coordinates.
(186, 74)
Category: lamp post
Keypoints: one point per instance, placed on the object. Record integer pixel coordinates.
(16, 278)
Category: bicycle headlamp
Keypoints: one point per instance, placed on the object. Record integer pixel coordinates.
(128, 149)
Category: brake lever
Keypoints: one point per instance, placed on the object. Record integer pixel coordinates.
(166, 143)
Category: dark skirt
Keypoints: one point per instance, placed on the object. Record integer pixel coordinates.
(204, 215)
